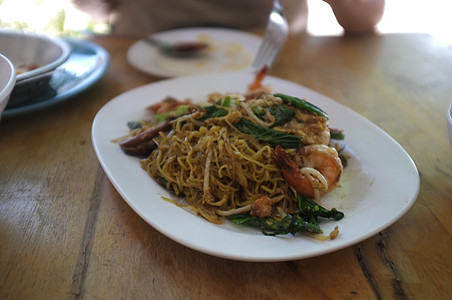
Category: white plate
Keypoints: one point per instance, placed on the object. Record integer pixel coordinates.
(230, 50)
(379, 184)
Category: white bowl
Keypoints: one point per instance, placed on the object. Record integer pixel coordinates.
(449, 122)
(33, 54)
(7, 81)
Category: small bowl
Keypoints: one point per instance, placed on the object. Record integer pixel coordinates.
(449, 122)
(34, 57)
(7, 81)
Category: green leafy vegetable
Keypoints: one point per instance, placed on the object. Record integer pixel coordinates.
(289, 224)
(269, 135)
(282, 114)
(134, 125)
(179, 111)
(302, 104)
(261, 133)
(217, 110)
(213, 112)
(258, 110)
(336, 134)
(226, 102)
(306, 220)
(309, 207)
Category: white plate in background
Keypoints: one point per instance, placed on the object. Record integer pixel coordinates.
(229, 50)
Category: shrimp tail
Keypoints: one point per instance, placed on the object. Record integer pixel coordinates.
(257, 82)
(292, 173)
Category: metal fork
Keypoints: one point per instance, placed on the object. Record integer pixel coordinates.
(274, 38)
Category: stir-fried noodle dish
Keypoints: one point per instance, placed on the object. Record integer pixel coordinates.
(261, 159)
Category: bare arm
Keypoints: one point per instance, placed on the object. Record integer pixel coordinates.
(97, 9)
(357, 16)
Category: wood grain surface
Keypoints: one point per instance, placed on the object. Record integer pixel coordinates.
(65, 233)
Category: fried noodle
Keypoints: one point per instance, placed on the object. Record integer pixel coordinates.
(219, 170)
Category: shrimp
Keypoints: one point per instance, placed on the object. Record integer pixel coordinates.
(257, 82)
(261, 208)
(316, 167)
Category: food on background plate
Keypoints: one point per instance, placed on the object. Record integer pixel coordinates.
(260, 158)
(20, 69)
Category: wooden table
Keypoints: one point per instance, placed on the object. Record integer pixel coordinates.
(66, 233)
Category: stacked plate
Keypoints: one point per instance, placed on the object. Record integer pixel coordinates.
(34, 57)
(7, 81)
(49, 69)
(449, 122)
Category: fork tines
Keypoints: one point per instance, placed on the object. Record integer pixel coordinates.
(274, 38)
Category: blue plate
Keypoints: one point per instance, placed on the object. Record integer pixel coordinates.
(86, 64)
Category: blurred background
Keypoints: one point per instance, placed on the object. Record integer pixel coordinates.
(61, 17)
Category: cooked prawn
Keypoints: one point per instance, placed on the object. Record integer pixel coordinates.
(261, 208)
(317, 168)
(257, 82)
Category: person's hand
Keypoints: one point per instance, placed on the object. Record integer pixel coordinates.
(357, 16)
